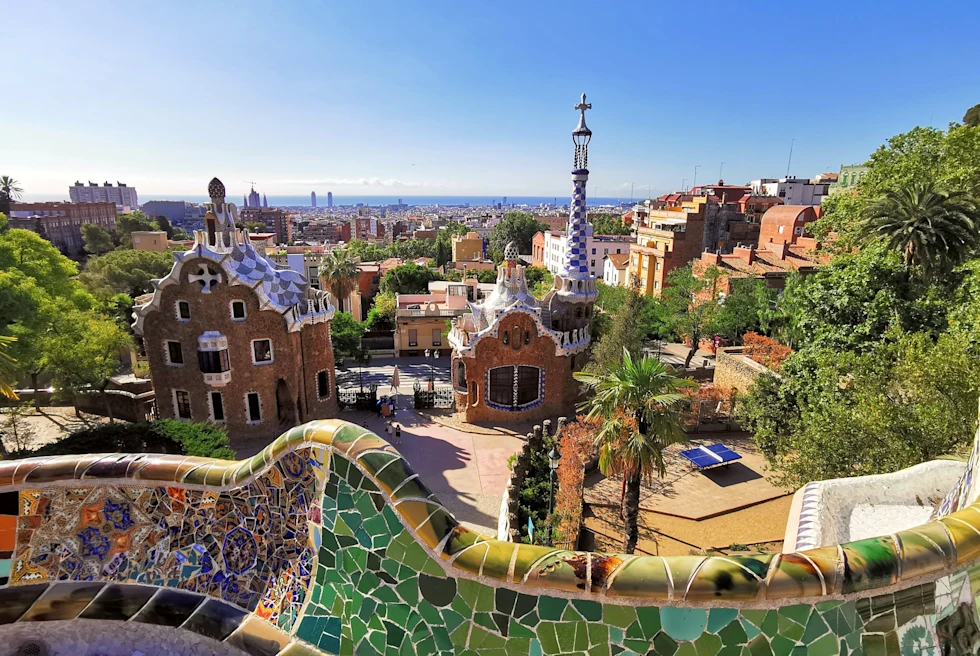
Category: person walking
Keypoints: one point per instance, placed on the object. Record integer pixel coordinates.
(398, 434)
(388, 431)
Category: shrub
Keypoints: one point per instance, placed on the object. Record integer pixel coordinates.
(163, 436)
(570, 476)
(765, 350)
(205, 440)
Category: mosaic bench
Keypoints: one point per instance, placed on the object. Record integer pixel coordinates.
(327, 542)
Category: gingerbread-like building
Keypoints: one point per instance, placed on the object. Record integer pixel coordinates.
(233, 339)
(513, 356)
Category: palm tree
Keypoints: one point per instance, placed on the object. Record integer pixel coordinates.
(339, 273)
(935, 231)
(639, 403)
(9, 191)
(7, 368)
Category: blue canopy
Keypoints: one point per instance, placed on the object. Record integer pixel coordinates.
(704, 457)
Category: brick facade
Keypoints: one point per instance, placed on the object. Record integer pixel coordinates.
(559, 392)
(297, 358)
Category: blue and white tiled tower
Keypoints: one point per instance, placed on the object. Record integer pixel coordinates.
(574, 294)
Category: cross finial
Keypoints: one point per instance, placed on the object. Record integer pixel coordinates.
(582, 106)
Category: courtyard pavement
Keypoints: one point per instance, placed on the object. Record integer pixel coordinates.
(468, 472)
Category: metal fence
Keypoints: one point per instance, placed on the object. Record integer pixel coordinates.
(358, 398)
(440, 397)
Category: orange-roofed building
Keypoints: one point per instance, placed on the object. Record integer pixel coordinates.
(754, 206)
(770, 262)
(786, 224)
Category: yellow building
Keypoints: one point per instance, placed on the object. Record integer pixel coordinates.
(468, 247)
(667, 240)
(421, 320)
(150, 241)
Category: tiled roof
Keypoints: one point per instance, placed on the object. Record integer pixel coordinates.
(619, 260)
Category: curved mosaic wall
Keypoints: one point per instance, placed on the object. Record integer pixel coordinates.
(328, 542)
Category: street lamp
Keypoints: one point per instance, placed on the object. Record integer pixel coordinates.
(430, 358)
(553, 459)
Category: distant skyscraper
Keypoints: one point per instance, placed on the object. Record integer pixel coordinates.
(121, 195)
(244, 200)
(253, 198)
(329, 199)
(505, 200)
(313, 199)
(265, 201)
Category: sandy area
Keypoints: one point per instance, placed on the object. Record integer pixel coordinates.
(662, 535)
(49, 424)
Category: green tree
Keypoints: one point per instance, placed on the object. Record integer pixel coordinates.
(366, 251)
(852, 302)
(539, 280)
(8, 367)
(34, 257)
(408, 278)
(639, 403)
(84, 350)
(339, 273)
(742, 308)
(10, 191)
(517, 227)
(934, 231)
(836, 414)
(126, 271)
(127, 224)
(96, 239)
(382, 315)
(972, 116)
(346, 333)
(949, 161)
(691, 304)
(624, 334)
(486, 275)
(163, 223)
(609, 224)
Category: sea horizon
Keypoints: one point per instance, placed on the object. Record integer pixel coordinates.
(370, 200)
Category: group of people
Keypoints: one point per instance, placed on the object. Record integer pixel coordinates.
(393, 432)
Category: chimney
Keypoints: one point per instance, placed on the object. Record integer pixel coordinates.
(711, 258)
(782, 250)
(746, 253)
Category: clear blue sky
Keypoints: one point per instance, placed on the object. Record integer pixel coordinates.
(403, 98)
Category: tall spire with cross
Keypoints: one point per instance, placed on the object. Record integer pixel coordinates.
(575, 265)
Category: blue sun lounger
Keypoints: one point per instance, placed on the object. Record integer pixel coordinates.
(706, 457)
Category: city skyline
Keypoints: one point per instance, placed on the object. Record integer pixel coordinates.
(402, 118)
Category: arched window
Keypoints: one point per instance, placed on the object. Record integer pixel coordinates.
(514, 387)
(517, 338)
(461, 375)
(506, 338)
(527, 337)
(474, 399)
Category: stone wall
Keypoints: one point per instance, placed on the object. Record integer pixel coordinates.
(508, 527)
(123, 405)
(735, 370)
(327, 542)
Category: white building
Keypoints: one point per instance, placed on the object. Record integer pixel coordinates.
(614, 267)
(597, 247)
(792, 190)
(124, 197)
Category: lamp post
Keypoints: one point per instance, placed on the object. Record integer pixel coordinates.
(430, 357)
(553, 459)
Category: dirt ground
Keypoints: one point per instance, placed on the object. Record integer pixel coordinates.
(662, 535)
(49, 424)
